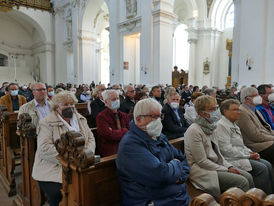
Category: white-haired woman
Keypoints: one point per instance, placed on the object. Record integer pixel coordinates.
(149, 168)
(63, 117)
(210, 172)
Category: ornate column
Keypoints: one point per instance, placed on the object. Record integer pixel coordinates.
(192, 40)
(163, 19)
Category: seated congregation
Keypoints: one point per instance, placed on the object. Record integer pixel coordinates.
(226, 143)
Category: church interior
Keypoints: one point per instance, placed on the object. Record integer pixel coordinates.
(112, 55)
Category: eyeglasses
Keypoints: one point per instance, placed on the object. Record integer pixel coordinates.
(154, 117)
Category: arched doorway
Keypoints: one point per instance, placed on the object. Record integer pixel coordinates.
(95, 42)
(22, 38)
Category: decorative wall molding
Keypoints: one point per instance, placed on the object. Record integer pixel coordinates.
(43, 47)
(10, 49)
(130, 24)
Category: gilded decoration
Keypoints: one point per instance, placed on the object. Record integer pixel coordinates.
(7, 5)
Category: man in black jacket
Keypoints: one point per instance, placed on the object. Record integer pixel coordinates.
(98, 104)
(129, 102)
(174, 123)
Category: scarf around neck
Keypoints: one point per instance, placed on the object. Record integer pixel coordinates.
(207, 127)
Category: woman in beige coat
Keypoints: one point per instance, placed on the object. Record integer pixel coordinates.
(63, 117)
(209, 171)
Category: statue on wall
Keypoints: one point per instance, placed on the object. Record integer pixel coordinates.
(36, 73)
(131, 8)
(69, 25)
(206, 66)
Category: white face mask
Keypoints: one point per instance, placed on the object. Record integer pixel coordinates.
(115, 105)
(174, 105)
(154, 128)
(257, 100)
(271, 98)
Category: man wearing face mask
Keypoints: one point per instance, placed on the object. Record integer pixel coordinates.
(258, 137)
(26, 92)
(264, 111)
(12, 100)
(149, 168)
(111, 124)
(50, 91)
(85, 96)
(174, 123)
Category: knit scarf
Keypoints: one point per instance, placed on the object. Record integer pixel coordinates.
(207, 127)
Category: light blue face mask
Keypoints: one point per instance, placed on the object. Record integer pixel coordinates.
(51, 93)
(115, 105)
(214, 116)
(14, 93)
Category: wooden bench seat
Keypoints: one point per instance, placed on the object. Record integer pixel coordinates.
(10, 150)
(91, 183)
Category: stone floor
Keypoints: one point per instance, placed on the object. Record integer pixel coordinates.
(4, 199)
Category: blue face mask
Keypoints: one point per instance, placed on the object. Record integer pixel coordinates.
(214, 116)
(115, 105)
(14, 93)
(51, 93)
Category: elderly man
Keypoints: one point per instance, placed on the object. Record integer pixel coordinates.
(111, 124)
(39, 107)
(129, 103)
(149, 168)
(264, 111)
(257, 137)
(12, 100)
(85, 96)
(174, 123)
(98, 105)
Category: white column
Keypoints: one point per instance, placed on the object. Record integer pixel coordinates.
(115, 44)
(192, 40)
(163, 19)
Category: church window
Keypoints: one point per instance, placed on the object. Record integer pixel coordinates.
(3, 60)
(229, 18)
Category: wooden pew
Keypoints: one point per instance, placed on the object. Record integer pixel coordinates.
(10, 151)
(236, 197)
(82, 108)
(85, 181)
(29, 191)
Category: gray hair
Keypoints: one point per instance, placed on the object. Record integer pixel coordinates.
(145, 106)
(106, 94)
(126, 88)
(171, 94)
(62, 97)
(33, 86)
(246, 92)
(209, 91)
(59, 90)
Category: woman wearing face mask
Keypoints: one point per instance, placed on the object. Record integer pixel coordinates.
(174, 123)
(210, 172)
(63, 117)
(111, 123)
(149, 168)
(258, 137)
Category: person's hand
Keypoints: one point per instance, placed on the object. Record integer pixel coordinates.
(234, 170)
(254, 156)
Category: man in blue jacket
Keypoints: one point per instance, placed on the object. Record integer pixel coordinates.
(149, 168)
(265, 111)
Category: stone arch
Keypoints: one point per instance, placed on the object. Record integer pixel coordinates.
(94, 19)
(218, 11)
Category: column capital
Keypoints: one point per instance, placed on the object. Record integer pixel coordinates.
(192, 35)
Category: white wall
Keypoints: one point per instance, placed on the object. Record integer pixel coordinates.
(254, 34)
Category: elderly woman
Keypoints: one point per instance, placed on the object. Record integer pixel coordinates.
(235, 152)
(210, 172)
(149, 168)
(63, 117)
(112, 124)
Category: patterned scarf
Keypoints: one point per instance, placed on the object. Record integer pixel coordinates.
(207, 127)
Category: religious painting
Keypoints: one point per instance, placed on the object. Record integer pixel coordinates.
(206, 66)
(126, 65)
